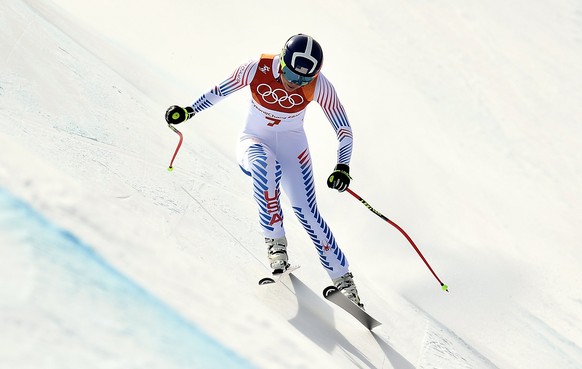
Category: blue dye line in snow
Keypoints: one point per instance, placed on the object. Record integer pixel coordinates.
(86, 295)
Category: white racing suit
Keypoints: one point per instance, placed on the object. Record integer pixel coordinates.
(273, 149)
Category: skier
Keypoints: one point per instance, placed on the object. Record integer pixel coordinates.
(273, 147)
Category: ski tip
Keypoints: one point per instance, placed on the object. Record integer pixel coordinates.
(266, 280)
(328, 291)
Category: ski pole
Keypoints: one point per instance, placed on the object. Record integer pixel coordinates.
(171, 168)
(443, 286)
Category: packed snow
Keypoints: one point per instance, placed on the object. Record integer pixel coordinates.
(467, 126)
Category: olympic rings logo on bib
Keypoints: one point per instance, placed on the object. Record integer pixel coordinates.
(278, 95)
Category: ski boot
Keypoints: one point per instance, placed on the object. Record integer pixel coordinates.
(345, 284)
(277, 254)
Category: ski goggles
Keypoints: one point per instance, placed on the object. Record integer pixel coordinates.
(293, 77)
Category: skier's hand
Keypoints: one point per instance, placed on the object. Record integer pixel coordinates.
(177, 114)
(340, 178)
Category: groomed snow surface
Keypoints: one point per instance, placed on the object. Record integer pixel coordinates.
(467, 124)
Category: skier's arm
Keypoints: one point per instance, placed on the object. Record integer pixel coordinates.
(239, 79)
(326, 97)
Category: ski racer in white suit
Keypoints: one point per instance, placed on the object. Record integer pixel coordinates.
(273, 147)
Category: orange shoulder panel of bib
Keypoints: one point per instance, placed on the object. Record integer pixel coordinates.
(309, 89)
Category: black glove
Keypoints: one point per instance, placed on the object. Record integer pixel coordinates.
(340, 178)
(177, 114)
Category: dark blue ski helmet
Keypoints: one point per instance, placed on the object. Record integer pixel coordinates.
(302, 55)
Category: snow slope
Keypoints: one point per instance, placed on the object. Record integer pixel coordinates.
(467, 137)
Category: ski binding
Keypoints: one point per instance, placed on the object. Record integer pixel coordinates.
(278, 276)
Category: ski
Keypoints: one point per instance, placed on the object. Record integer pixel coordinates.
(332, 294)
(277, 277)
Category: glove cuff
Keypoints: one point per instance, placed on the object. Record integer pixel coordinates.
(189, 112)
(343, 168)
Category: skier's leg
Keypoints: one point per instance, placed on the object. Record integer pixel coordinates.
(299, 186)
(258, 161)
